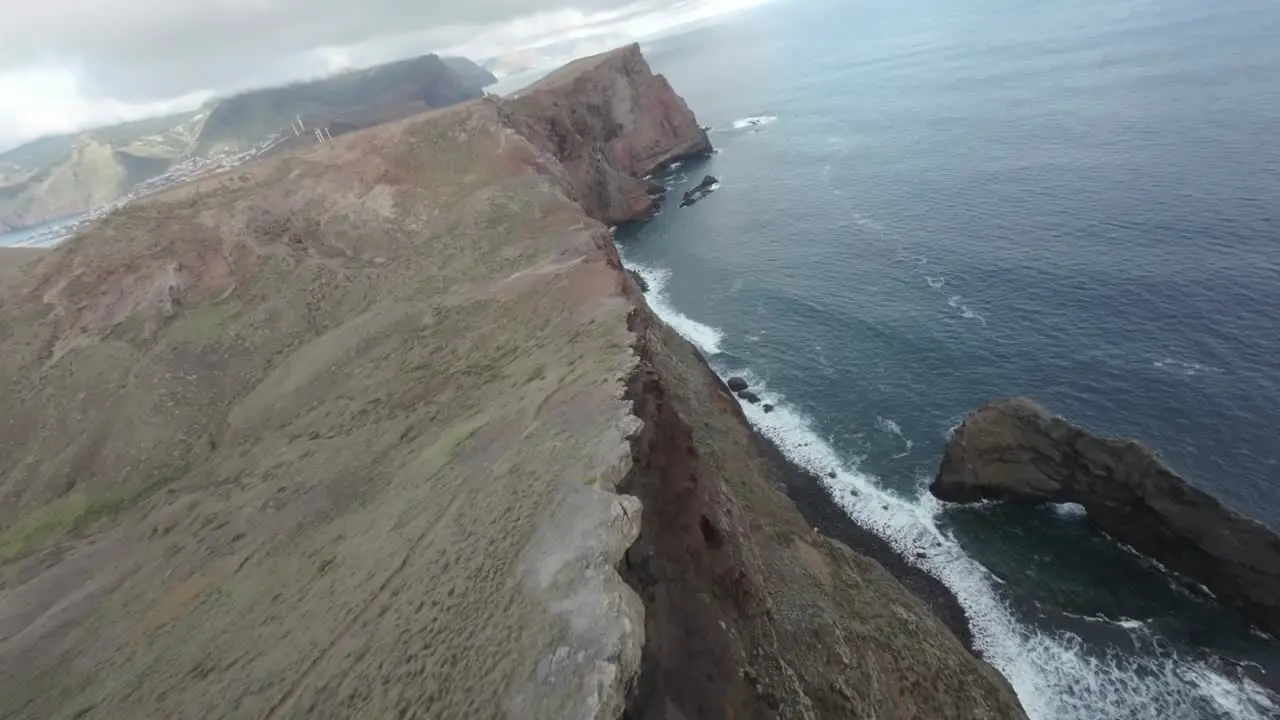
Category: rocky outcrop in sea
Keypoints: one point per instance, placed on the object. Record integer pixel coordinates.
(1015, 450)
(700, 191)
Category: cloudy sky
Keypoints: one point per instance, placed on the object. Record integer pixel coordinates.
(71, 64)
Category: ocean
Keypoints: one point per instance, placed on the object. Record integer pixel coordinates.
(40, 236)
(930, 204)
(925, 205)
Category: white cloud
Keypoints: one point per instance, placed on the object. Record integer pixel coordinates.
(67, 65)
(49, 100)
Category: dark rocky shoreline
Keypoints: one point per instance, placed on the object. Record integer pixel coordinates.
(811, 498)
(759, 593)
(806, 490)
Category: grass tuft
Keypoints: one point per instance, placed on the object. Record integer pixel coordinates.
(69, 515)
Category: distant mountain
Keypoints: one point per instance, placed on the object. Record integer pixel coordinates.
(351, 99)
(470, 72)
(68, 174)
(37, 153)
(157, 133)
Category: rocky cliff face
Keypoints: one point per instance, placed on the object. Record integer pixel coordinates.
(610, 122)
(1015, 450)
(383, 429)
(749, 611)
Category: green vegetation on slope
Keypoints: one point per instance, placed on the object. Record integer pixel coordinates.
(70, 515)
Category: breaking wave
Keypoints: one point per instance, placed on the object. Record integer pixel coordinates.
(1069, 510)
(706, 337)
(956, 302)
(888, 426)
(1181, 367)
(1055, 675)
(754, 121)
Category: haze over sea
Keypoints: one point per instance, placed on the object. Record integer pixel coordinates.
(926, 205)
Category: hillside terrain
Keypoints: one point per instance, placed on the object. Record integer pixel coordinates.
(381, 428)
(13, 260)
(70, 174)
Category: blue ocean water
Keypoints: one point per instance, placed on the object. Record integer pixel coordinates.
(929, 204)
(39, 236)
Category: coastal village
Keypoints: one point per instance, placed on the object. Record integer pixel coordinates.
(187, 170)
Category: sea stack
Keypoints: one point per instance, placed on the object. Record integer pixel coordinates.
(700, 191)
(1015, 450)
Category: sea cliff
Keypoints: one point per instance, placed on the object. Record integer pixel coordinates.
(382, 428)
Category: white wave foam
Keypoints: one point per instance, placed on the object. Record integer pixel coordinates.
(863, 221)
(754, 121)
(1126, 623)
(1181, 367)
(889, 426)
(956, 301)
(676, 180)
(968, 314)
(1243, 700)
(1054, 675)
(935, 282)
(1177, 581)
(953, 425)
(706, 337)
(1069, 510)
(886, 425)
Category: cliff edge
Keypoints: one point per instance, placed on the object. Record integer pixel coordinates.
(1015, 450)
(610, 122)
(382, 429)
